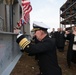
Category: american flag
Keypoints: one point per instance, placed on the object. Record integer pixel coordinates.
(26, 9)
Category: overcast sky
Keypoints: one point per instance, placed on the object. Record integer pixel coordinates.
(46, 11)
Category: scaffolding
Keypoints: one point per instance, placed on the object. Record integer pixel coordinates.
(68, 14)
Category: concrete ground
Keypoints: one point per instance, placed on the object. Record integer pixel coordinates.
(28, 66)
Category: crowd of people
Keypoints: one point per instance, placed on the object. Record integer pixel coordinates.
(61, 36)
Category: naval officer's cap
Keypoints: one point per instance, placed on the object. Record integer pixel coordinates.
(39, 26)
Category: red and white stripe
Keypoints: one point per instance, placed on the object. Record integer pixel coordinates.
(26, 9)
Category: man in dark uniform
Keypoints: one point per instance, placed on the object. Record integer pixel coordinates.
(52, 34)
(45, 49)
(60, 39)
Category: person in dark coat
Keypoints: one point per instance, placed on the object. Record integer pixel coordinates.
(60, 39)
(45, 49)
(52, 34)
(71, 53)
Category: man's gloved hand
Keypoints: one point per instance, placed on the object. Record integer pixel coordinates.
(22, 41)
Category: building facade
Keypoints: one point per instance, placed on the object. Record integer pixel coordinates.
(10, 14)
